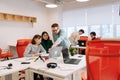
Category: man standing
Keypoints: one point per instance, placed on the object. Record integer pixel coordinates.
(59, 37)
(75, 36)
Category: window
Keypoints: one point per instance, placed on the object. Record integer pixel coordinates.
(117, 30)
(69, 30)
(85, 28)
(107, 31)
(95, 28)
(104, 31)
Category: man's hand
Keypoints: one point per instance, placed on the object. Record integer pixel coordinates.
(54, 45)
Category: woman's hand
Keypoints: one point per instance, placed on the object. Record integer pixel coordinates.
(36, 54)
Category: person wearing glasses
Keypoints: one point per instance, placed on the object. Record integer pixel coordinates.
(59, 37)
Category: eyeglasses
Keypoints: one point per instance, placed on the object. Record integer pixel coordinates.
(54, 30)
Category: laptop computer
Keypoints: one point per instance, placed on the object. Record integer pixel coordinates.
(55, 52)
(68, 60)
(82, 43)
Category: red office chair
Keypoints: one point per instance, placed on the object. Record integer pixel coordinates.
(97, 38)
(84, 38)
(21, 45)
(103, 60)
(5, 53)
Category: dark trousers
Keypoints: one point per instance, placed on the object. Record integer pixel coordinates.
(49, 79)
(36, 75)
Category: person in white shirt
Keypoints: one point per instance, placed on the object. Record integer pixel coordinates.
(75, 36)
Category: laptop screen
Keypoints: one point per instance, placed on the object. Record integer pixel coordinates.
(65, 54)
(55, 52)
(82, 43)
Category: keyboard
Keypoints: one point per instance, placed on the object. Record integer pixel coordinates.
(72, 61)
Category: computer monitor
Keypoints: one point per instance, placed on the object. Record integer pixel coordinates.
(67, 59)
(82, 43)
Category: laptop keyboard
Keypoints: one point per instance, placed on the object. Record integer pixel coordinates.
(72, 61)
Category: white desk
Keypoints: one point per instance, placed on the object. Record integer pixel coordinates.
(77, 46)
(17, 66)
(62, 72)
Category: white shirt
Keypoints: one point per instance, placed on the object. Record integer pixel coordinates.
(75, 36)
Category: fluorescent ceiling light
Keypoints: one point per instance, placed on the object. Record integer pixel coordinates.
(82, 0)
(51, 5)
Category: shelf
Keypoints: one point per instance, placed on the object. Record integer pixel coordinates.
(13, 17)
(9, 17)
(33, 19)
(1, 16)
(18, 18)
(26, 19)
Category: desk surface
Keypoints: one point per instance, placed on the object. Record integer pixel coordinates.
(63, 70)
(77, 46)
(17, 66)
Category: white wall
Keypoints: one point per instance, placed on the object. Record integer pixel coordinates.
(10, 31)
(55, 15)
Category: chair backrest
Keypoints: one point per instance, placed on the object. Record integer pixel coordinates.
(21, 45)
(83, 38)
(97, 38)
(103, 60)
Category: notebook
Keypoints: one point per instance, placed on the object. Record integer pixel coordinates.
(66, 58)
(55, 52)
(82, 43)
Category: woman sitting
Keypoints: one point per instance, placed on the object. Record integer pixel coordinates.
(46, 42)
(35, 49)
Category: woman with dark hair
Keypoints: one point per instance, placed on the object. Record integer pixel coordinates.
(35, 49)
(46, 42)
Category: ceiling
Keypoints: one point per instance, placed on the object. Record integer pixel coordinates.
(71, 4)
(67, 2)
(74, 1)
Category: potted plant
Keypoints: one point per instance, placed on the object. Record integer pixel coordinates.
(73, 51)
